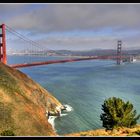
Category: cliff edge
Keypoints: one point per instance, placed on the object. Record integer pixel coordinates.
(23, 104)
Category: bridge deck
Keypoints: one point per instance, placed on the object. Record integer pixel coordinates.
(64, 61)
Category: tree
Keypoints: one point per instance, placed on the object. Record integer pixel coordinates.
(117, 113)
(7, 133)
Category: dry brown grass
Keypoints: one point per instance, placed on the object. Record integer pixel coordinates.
(101, 132)
(27, 102)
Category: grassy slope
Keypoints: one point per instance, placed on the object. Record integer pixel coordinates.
(23, 104)
(101, 132)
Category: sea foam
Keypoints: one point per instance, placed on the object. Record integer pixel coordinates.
(68, 108)
(51, 119)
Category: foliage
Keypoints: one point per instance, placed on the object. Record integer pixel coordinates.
(7, 133)
(117, 113)
(138, 132)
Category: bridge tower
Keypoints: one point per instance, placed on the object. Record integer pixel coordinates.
(119, 52)
(3, 57)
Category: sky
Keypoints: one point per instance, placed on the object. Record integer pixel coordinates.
(74, 26)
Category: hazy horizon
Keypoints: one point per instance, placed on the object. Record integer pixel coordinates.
(73, 26)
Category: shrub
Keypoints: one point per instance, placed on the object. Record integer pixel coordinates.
(117, 113)
(7, 133)
(137, 132)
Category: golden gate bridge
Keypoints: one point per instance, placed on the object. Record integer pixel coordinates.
(35, 47)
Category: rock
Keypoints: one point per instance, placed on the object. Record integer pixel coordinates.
(63, 108)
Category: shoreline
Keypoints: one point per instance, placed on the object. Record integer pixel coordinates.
(93, 132)
(51, 118)
(69, 56)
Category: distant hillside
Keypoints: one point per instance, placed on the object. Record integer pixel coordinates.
(23, 104)
(92, 52)
(95, 52)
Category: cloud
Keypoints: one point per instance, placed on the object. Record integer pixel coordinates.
(83, 42)
(10, 10)
(108, 22)
(65, 17)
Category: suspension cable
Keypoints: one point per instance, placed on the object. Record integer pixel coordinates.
(9, 29)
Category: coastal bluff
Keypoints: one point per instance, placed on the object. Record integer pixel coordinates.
(24, 103)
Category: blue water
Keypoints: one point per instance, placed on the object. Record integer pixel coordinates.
(84, 86)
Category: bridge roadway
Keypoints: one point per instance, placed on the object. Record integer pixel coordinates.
(64, 61)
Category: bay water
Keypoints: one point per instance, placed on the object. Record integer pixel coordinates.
(84, 86)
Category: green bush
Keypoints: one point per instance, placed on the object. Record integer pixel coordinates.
(117, 113)
(7, 133)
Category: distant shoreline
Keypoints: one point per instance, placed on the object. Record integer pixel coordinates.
(51, 55)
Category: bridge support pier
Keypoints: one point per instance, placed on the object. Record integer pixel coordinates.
(3, 57)
(119, 47)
